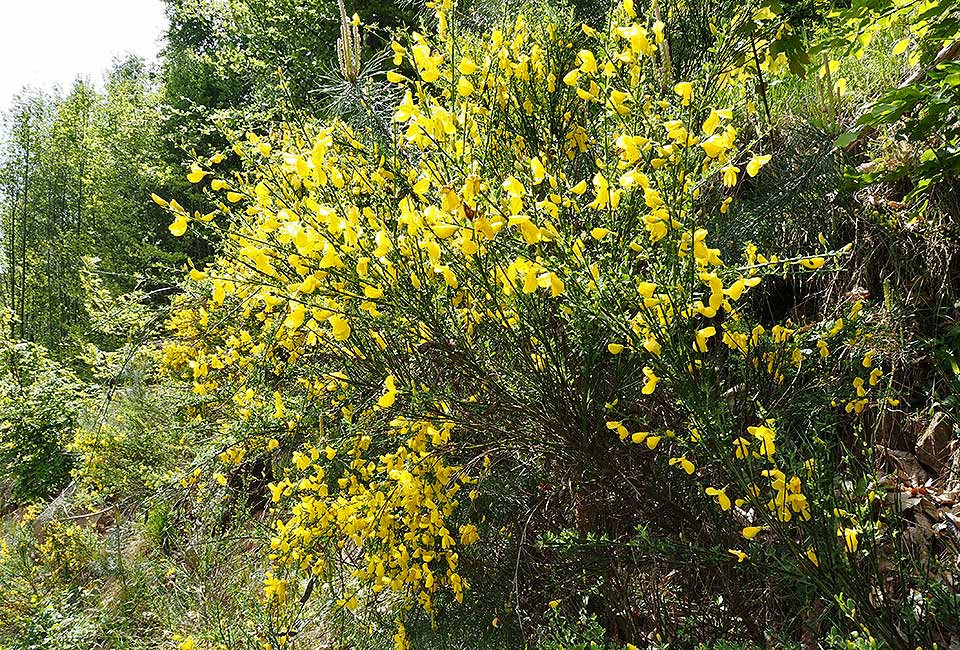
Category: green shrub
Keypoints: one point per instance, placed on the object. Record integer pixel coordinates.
(40, 401)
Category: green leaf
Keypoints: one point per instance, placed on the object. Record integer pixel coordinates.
(846, 139)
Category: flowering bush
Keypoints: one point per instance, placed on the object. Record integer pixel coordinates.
(497, 357)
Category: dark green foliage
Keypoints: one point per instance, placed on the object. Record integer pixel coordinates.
(250, 63)
(39, 405)
(801, 194)
(713, 37)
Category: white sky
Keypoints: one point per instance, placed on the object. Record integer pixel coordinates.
(43, 42)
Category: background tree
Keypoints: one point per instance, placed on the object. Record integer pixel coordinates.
(76, 173)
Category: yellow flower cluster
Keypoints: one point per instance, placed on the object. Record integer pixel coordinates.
(66, 548)
(394, 508)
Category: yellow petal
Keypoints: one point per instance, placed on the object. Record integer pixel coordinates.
(196, 174)
(751, 531)
(389, 397)
(684, 90)
(179, 226)
(753, 167)
(588, 63)
(464, 87)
